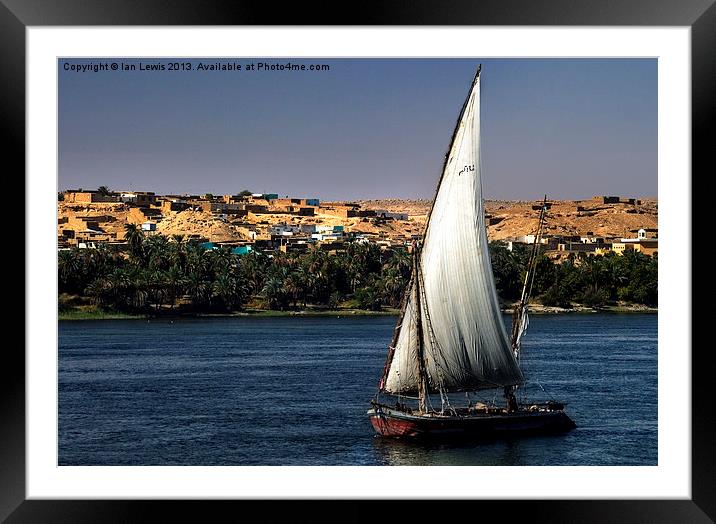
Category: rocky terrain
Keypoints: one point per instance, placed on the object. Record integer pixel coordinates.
(509, 219)
(506, 219)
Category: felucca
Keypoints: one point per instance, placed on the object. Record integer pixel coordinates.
(450, 337)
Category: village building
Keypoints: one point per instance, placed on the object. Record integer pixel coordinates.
(618, 200)
(641, 244)
(173, 205)
(86, 197)
(138, 198)
(265, 196)
(577, 247)
(382, 213)
(139, 215)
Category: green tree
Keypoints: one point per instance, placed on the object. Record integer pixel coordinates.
(392, 284)
(556, 295)
(157, 252)
(69, 267)
(135, 238)
(368, 297)
(363, 261)
(594, 296)
(402, 261)
(176, 283)
(275, 294)
(199, 289)
(508, 271)
(225, 288)
(254, 267)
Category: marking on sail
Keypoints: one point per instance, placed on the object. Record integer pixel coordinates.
(471, 167)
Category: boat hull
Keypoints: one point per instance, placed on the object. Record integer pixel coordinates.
(389, 422)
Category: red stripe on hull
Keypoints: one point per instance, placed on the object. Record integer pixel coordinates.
(394, 427)
(394, 424)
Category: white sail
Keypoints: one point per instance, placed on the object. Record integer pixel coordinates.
(466, 345)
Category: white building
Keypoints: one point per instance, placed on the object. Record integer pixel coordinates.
(640, 235)
(284, 229)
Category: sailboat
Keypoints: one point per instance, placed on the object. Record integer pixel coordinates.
(450, 338)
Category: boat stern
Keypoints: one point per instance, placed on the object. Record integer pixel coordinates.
(386, 424)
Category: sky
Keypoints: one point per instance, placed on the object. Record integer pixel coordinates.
(364, 129)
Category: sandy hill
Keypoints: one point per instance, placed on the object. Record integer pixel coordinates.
(506, 219)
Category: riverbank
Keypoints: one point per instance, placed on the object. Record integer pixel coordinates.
(91, 313)
(539, 309)
(95, 314)
(535, 309)
(304, 313)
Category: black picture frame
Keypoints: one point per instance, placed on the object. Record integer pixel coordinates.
(17, 15)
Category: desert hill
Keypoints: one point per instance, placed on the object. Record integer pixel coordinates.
(394, 220)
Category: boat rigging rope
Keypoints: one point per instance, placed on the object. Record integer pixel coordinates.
(444, 399)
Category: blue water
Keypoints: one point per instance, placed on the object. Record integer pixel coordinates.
(294, 391)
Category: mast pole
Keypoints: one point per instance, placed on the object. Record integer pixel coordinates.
(422, 373)
(529, 280)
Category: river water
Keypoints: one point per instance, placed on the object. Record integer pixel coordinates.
(295, 390)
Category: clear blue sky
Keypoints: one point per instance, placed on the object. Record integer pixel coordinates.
(368, 128)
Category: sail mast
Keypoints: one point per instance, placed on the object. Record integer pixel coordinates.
(422, 373)
(519, 316)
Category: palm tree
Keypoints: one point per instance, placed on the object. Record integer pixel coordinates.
(593, 270)
(369, 298)
(402, 261)
(96, 290)
(225, 287)
(199, 289)
(221, 259)
(363, 260)
(68, 267)
(135, 238)
(293, 287)
(253, 267)
(306, 281)
(274, 294)
(175, 282)
(103, 190)
(157, 251)
(176, 255)
(194, 258)
(393, 286)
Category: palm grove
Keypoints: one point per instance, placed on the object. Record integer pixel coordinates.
(160, 274)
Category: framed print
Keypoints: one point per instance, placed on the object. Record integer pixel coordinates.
(157, 93)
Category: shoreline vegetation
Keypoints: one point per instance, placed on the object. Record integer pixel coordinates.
(535, 309)
(169, 277)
